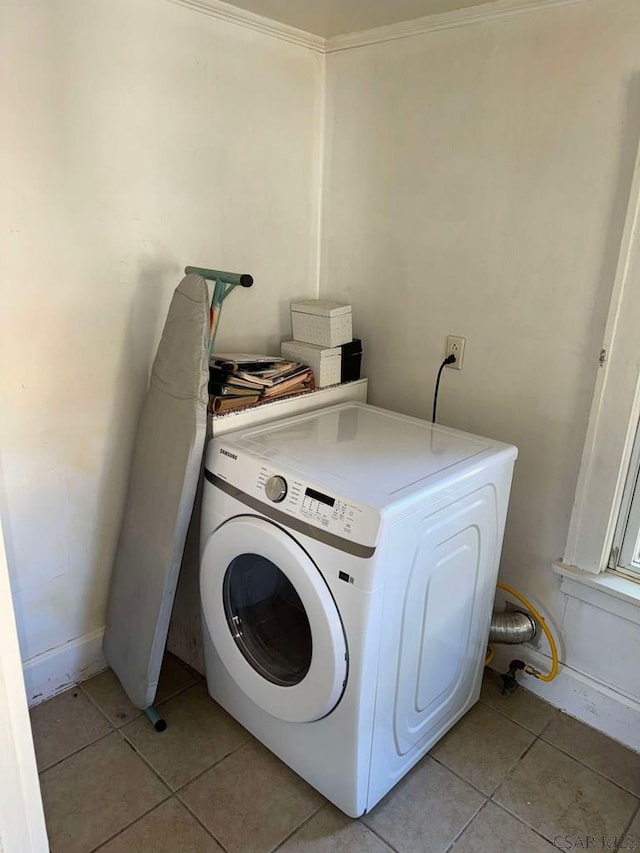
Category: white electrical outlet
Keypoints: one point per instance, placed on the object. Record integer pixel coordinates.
(455, 346)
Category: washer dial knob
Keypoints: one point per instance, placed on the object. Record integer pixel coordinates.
(276, 489)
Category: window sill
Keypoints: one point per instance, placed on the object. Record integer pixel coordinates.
(608, 590)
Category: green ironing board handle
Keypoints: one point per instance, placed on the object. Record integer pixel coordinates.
(225, 282)
(243, 279)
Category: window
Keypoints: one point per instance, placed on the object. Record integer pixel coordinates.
(608, 456)
(625, 554)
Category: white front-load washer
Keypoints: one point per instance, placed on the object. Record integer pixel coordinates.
(348, 566)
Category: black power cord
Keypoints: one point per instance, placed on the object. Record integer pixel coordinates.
(450, 359)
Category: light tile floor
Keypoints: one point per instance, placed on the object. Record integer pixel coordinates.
(514, 774)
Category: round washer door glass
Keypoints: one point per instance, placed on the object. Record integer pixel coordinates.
(272, 619)
(267, 619)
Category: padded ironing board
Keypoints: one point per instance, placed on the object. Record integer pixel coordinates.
(162, 487)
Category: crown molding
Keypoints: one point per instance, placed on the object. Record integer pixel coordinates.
(443, 21)
(234, 15)
(404, 29)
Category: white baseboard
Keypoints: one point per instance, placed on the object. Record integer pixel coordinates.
(60, 668)
(579, 695)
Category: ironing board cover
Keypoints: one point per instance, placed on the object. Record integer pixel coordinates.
(162, 487)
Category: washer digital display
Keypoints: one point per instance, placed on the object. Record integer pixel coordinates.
(318, 496)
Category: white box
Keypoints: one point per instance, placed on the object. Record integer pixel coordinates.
(319, 321)
(325, 362)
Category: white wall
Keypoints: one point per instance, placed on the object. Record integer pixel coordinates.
(476, 184)
(137, 136)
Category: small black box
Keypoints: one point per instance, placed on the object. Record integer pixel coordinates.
(351, 360)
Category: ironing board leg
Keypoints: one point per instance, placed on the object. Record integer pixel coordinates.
(158, 723)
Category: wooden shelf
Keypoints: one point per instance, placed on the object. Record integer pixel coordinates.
(282, 408)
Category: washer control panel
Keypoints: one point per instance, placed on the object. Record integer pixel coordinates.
(315, 506)
(289, 493)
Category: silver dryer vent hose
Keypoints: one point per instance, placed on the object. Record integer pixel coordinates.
(512, 626)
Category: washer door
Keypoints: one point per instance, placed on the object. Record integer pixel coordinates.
(273, 620)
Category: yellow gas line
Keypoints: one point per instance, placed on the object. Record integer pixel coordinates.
(491, 653)
(549, 676)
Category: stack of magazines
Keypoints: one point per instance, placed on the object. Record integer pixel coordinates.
(237, 380)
